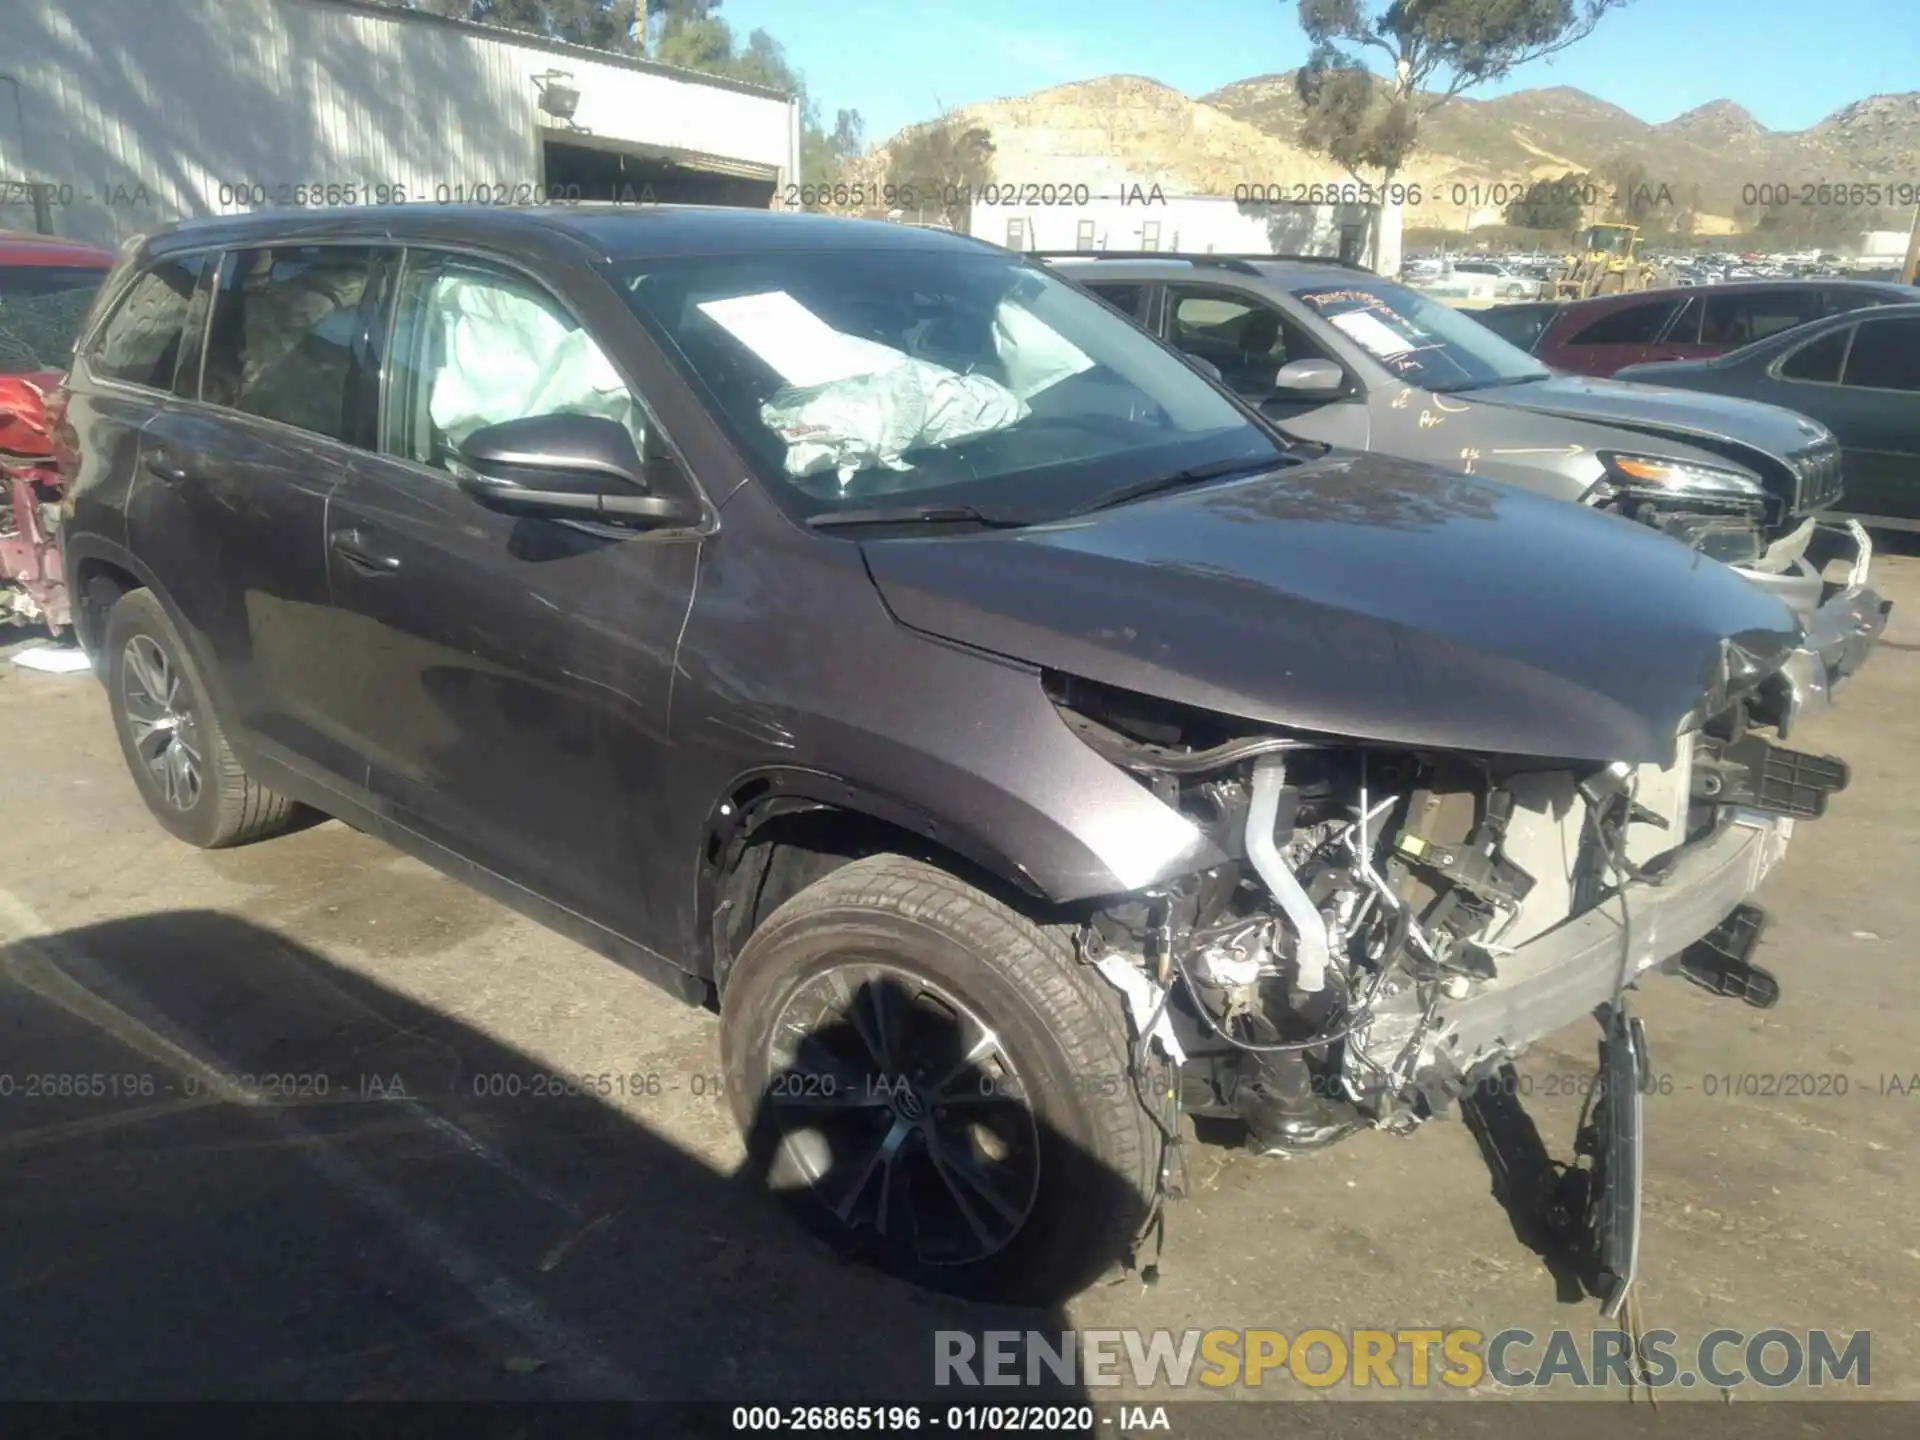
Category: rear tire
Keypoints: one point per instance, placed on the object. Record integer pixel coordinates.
(894, 1040)
(173, 744)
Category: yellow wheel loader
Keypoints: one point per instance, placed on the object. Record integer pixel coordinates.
(1610, 265)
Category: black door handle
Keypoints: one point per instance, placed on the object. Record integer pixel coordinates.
(160, 464)
(351, 546)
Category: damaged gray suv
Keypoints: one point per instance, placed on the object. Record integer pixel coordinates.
(864, 631)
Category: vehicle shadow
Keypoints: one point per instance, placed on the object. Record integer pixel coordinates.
(1545, 1199)
(240, 1171)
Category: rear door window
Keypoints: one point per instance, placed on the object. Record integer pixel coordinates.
(1885, 355)
(1629, 325)
(287, 336)
(140, 342)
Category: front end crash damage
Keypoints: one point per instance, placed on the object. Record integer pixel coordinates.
(1391, 926)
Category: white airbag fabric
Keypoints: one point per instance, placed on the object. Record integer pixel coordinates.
(507, 356)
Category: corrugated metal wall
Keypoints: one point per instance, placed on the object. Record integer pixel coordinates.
(133, 113)
(1198, 223)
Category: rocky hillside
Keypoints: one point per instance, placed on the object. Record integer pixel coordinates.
(1705, 158)
(1123, 130)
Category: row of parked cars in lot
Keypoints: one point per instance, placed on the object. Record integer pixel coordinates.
(1843, 352)
(1030, 700)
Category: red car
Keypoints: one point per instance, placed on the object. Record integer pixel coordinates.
(46, 287)
(1599, 336)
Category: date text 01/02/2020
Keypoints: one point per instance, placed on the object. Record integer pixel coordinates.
(952, 1420)
(957, 195)
(330, 194)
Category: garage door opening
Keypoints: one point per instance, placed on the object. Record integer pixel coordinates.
(585, 173)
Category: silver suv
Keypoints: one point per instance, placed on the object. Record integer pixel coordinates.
(1335, 353)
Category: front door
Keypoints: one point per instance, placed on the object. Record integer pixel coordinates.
(510, 677)
(1248, 339)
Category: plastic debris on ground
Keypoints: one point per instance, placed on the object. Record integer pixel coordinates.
(54, 659)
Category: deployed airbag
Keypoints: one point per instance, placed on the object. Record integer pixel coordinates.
(851, 404)
(507, 356)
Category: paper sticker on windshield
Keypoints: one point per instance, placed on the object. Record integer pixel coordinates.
(801, 347)
(1368, 331)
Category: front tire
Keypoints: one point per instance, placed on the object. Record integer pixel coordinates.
(173, 744)
(937, 1086)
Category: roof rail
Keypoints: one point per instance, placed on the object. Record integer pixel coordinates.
(1243, 262)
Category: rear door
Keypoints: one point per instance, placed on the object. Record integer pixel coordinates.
(229, 504)
(229, 496)
(509, 677)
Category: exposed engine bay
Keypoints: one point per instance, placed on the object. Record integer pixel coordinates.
(1392, 927)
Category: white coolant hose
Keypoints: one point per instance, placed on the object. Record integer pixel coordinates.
(1313, 948)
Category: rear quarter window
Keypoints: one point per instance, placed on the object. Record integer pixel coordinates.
(1520, 325)
(1818, 360)
(140, 342)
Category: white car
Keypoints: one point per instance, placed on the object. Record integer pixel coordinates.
(1494, 280)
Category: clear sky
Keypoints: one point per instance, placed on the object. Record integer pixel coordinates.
(1789, 62)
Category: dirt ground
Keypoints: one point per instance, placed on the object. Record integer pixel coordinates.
(364, 1219)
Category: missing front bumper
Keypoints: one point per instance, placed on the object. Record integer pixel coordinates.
(1840, 632)
(1581, 964)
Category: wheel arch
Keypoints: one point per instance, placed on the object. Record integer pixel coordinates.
(777, 829)
(99, 573)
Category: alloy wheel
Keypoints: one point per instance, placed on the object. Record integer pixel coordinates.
(165, 733)
(902, 1111)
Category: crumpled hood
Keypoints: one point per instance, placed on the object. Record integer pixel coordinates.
(1653, 409)
(1362, 596)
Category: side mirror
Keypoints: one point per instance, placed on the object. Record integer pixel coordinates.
(1309, 377)
(564, 467)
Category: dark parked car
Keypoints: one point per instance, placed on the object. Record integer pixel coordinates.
(1337, 354)
(1858, 375)
(864, 629)
(1601, 335)
(1520, 325)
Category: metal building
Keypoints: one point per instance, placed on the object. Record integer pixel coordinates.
(1198, 223)
(117, 116)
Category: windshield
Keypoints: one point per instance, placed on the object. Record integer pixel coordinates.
(1422, 341)
(863, 378)
(41, 307)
